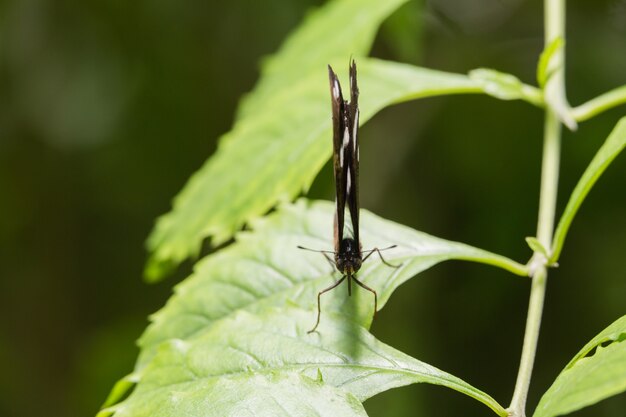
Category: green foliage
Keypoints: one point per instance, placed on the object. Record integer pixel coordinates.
(598, 371)
(233, 338)
(240, 322)
(281, 134)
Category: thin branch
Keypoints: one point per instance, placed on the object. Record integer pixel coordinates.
(600, 104)
(556, 101)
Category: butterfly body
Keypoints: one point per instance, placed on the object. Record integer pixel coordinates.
(348, 256)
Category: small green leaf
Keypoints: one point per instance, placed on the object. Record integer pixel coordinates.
(543, 71)
(614, 144)
(597, 372)
(536, 246)
(552, 72)
(245, 312)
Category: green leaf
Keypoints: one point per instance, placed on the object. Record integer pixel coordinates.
(597, 372)
(550, 76)
(267, 362)
(246, 309)
(543, 72)
(606, 154)
(265, 268)
(270, 394)
(505, 86)
(536, 246)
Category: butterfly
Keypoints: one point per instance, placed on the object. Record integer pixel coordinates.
(348, 255)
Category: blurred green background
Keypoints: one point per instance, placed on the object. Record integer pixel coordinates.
(107, 107)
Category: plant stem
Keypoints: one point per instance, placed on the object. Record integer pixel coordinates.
(545, 226)
(549, 178)
(599, 104)
(554, 11)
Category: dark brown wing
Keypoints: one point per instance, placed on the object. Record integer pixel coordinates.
(339, 162)
(352, 174)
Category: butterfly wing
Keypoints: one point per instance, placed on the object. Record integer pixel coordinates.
(339, 161)
(352, 153)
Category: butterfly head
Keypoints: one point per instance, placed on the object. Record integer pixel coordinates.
(348, 258)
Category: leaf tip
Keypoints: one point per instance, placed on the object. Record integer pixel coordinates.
(157, 269)
(536, 246)
(543, 70)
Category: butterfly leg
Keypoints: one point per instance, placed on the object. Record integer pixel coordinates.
(360, 284)
(319, 308)
(326, 255)
(371, 251)
(330, 261)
